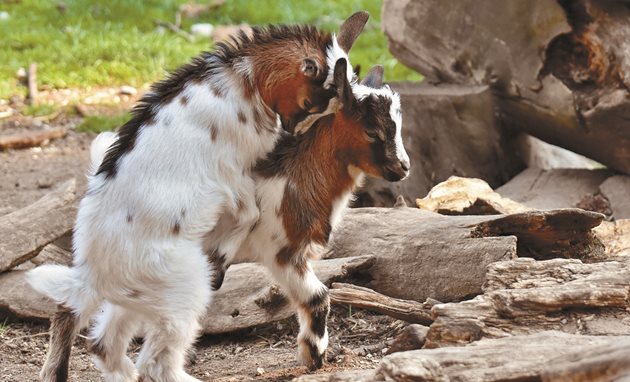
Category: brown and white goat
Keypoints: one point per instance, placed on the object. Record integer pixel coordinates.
(305, 183)
(181, 162)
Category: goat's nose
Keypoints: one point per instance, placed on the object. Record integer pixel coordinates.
(404, 164)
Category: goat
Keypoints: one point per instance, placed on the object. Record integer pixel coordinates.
(181, 162)
(305, 183)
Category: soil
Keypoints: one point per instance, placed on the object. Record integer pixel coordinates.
(358, 338)
(357, 341)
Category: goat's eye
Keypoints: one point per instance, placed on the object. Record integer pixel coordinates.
(307, 105)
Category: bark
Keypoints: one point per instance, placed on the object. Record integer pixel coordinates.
(420, 254)
(31, 138)
(524, 296)
(249, 298)
(548, 356)
(412, 338)
(26, 231)
(360, 297)
(556, 67)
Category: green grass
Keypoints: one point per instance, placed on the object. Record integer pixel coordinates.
(39, 110)
(4, 327)
(109, 43)
(100, 123)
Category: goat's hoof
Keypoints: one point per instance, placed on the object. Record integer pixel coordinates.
(309, 356)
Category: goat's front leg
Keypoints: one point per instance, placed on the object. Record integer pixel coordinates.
(297, 279)
(222, 244)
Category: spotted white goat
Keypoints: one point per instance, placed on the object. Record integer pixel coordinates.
(181, 162)
(303, 186)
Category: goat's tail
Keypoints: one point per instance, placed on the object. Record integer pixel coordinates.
(63, 285)
(99, 148)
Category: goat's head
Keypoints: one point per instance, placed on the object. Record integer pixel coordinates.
(371, 120)
(307, 93)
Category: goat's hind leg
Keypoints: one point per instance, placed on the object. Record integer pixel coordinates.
(173, 317)
(64, 326)
(110, 337)
(313, 304)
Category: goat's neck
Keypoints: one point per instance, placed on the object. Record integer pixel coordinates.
(321, 174)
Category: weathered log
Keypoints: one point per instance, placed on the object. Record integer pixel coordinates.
(524, 296)
(549, 356)
(31, 138)
(248, 297)
(53, 254)
(360, 297)
(411, 338)
(549, 234)
(448, 255)
(447, 131)
(26, 231)
(19, 300)
(616, 190)
(616, 237)
(551, 189)
(556, 66)
(420, 254)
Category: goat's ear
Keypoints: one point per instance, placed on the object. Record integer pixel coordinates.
(374, 78)
(344, 89)
(310, 68)
(351, 29)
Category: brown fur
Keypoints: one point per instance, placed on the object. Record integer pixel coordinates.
(63, 329)
(276, 54)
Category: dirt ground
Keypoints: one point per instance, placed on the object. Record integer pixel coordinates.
(357, 341)
(358, 338)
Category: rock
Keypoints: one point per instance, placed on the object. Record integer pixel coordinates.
(411, 338)
(467, 196)
(616, 190)
(202, 29)
(127, 90)
(525, 296)
(224, 32)
(447, 130)
(556, 67)
(4, 16)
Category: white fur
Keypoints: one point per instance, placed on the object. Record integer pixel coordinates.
(334, 53)
(132, 264)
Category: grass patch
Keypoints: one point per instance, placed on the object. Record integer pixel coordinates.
(100, 123)
(4, 327)
(94, 43)
(39, 110)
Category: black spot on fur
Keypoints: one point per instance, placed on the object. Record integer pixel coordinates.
(176, 228)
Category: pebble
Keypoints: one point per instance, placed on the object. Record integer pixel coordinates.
(128, 90)
(4, 16)
(202, 29)
(260, 371)
(44, 183)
